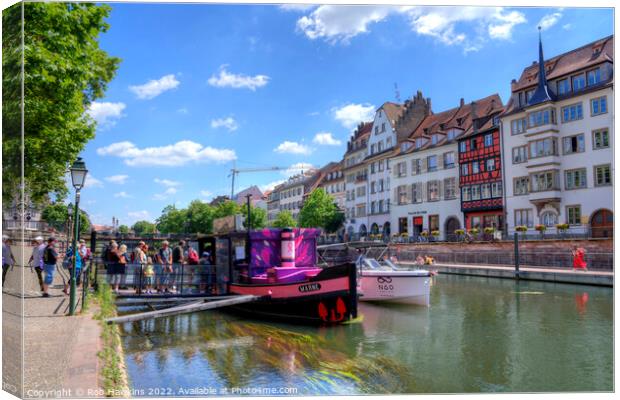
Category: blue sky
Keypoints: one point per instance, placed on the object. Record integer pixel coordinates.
(201, 85)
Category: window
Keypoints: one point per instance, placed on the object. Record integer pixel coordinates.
(383, 127)
(579, 82)
(432, 163)
(373, 207)
(419, 142)
(453, 133)
(572, 112)
(361, 191)
(573, 215)
(529, 94)
(485, 191)
(376, 130)
(518, 126)
(519, 154)
(574, 144)
(380, 166)
(433, 222)
(543, 147)
(541, 117)
(575, 179)
(448, 160)
(449, 188)
(380, 185)
(416, 166)
(496, 189)
(594, 76)
(372, 149)
(542, 181)
(434, 139)
(372, 188)
(464, 169)
(401, 169)
(466, 193)
(490, 164)
(463, 146)
(549, 218)
(475, 192)
(521, 185)
(563, 87)
(416, 192)
(380, 146)
(475, 168)
(405, 146)
(472, 144)
(600, 139)
(488, 140)
(433, 190)
(602, 175)
(521, 99)
(388, 142)
(524, 217)
(402, 194)
(373, 168)
(598, 106)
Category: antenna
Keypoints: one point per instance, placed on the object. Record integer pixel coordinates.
(396, 92)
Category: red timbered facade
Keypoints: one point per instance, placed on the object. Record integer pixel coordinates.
(480, 176)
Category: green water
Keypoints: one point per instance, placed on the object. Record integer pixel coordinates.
(478, 335)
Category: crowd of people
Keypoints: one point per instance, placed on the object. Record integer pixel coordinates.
(163, 270)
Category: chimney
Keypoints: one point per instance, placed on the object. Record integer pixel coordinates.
(462, 102)
(429, 108)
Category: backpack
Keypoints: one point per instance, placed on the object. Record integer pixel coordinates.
(192, 256)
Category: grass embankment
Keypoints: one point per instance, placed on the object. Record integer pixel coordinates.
(114, 377)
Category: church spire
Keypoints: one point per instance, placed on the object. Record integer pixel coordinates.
(542, 92)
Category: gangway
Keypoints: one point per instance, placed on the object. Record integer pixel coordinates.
(200, 305)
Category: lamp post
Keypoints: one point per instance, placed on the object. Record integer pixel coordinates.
(78, 177)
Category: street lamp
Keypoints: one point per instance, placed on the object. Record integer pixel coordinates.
(78, 178)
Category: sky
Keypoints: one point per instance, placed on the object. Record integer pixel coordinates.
(201, 87)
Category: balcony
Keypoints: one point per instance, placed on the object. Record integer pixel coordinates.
(361, 178)
(539, 130)
(545, 196)
(544, 161)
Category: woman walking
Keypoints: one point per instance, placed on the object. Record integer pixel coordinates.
(116, 268)
(579, 261)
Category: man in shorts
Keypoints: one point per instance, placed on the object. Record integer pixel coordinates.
(50, 257)
(164, 260)
(37, 259)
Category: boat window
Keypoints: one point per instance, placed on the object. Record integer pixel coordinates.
(390, 264)
(372, 263)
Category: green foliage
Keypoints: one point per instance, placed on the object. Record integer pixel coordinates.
(57, 214)
(320, 211)
(143, 227)
(226, 209)
(258, 216)
(65, 71)
(172, 220)
(200, 216)
(284, 219)
(124, 229)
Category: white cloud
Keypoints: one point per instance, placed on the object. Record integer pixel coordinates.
(503, 24)
(170, 191)
(296, 7)
(159, 196)
(271, 185)
(177, 154)
(183, 111)
(549, 20)
(123, 195)
(297, 168)
(139, 215)
(352, 114)
(206, 194)
(567, 27)
(228, 123)
(237, 81)
(166, 182)
(92, 182)
(341, 23)
(105, 113)
(289, 147)
(155, 87)
(326, 138)
(118, 179)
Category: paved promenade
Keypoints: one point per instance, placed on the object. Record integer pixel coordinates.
(548, 274)
(57, 353)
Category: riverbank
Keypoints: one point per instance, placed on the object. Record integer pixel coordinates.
(543, 274)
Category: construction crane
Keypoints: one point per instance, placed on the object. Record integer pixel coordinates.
(235, 171)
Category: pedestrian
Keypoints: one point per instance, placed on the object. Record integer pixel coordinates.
(148, 275)
(164, 259)
(579, 261)
(116, 268)
(7, 257)
(139, 256)
(50, 257)
(124, 261)
(36, 259)
(68, 262)
(205, 273)
(178, 259)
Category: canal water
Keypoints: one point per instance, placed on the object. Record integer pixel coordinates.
(478, 335)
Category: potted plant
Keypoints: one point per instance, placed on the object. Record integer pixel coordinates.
(562, 228)
(473, 231)
(541, 228)
(522, 229)
(435, 234)
(460, 233)
(424, 234)
(404, 236)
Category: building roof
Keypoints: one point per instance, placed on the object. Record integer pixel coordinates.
(253, 190)
(219, 200)
(392, 111)
(361, 132)
(583, 57)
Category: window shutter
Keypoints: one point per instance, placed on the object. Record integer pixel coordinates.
(396, 200)
(439, 161)
(424, 165)
(439, 189)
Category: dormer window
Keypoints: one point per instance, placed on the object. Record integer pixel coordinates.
(419, 142)
(563, 86)
(435, 139)
(594, 76)
(496, 120)
(405, 146)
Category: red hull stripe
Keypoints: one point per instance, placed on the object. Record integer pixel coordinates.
(300, 289)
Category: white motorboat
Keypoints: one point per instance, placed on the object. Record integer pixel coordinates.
(385, 282)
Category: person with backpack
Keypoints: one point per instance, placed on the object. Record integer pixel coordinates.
(50, 257)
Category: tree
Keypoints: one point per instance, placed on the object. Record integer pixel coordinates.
(141, 228)
(258, 216)
(284, 219)
(57, 215)
(320, 211)
(65, 71)
(335, 222)
(172, 220)
(124, 229)
(200, 216)
(226, 209)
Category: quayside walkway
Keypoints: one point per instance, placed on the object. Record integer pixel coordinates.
(547, 274)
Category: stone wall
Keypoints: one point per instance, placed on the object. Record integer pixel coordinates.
(546, 253)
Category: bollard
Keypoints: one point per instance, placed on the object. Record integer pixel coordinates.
(517, 255)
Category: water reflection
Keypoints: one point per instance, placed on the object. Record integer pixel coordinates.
(478, 335)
